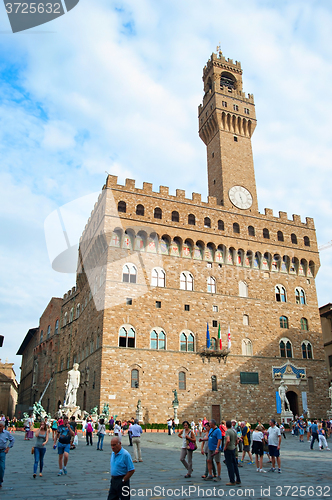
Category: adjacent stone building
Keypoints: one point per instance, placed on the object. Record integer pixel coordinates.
(156, 270)
(326, 319)
(8, 389)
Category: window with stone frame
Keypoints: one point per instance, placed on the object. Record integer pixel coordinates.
(134, 379)
(283, 320)
(221, 225)
(122, 207)
(191, 220)
(207, 222)
(129, 273)
(251, 231)
(214, 383)
(211, 284)
(158, 277)
(304, 324)
(306, 241)
(285, 348)
(294, 239)
(158, 339)
(140, 210)
(280, 293)
(182, 381)
(126, 337)
(157, 213)
(186, 281)
(280, 236)
(306, 350)
(56, 329)
(300, 297)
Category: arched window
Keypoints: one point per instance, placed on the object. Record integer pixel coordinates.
(157, 213)
(191, 219)
(214, 383)
(158, 339)
(187, 342)
(122, 207)
(243, 289)
(236, 228)
(211, 285)
(280, 236)
(246, 319)
(213, 344)
(251, 231)
(56, 329)
(221, 225)
(71, 316)
(299, 296)
(41, 335)
(182, 381)
(280, 292)
(266, 234)
(134, 379)
(207, 222)
(306, 350)
(294, 238)
(78, 310)
(306, 241)
(129, 273)
(65, 319)
(283, 320)
(140, 210)
(304, 324)
(126, 337)
(175, 216)
(246, 347)
(285, 348)
(158, 277)
(186, 281)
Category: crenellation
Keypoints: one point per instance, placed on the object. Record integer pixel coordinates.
(268, 212)
(310, 222)
(180, 193)
(212, 200)
(283, 216)
(147, 187)
(297, 219)
(196, 198)
(164, 190)
(130, 184)
(111, 181)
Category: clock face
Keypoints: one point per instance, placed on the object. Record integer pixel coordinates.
(240, 197)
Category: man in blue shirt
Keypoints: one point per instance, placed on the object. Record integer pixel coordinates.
(64, 434)
(214, 443)
(314, 434)
(122, 468)
(5, 436)
(136, 431)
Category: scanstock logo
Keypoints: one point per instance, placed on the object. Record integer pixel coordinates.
(26, 15)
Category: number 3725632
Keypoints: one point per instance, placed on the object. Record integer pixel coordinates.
(32, 8)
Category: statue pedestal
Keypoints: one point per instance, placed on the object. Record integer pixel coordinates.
(71, 410)
(175, 407)
(139, 416)
(286, 416)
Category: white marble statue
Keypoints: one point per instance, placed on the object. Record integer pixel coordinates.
(282, 393)
(330, 393)
(72, 384)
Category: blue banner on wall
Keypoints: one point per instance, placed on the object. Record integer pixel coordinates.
(278, 402)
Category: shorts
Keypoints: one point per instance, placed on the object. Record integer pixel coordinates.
(211, 456)
(257, 448)
(273, 451)
(246, 447)
(111, 427)
(63, 448)
(301, 431)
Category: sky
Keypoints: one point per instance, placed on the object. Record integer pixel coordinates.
(114, 87)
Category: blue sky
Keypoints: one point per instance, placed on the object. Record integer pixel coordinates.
(115, 86)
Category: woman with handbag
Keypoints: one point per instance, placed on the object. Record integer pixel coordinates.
(188, 446)
(39, 449)
(101, 434)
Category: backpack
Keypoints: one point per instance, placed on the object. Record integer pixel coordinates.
(89, 427)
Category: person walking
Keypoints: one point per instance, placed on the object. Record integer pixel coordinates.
(274, 442)
(89, 430)
(122, 468)
(41, 436)
(130, 434)
(101, 434)
(187, 436)
(322, 438)
(229, 452)
(214, 443)
(245, 430)
(73, 425)
(314, 434)
(282, 429)
(223, 429)
(117, 429)
(169, 426)
(205, 451)
(257, 447)
(63, 437)
(111, 425)
(7, 441)
(137, 431)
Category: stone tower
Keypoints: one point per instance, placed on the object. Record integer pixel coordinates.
(227, 121)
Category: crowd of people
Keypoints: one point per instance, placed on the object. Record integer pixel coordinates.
(234, 439)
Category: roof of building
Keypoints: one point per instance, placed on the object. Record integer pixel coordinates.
(29, 336)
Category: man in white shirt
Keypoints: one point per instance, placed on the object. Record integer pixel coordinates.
(274, 442)
(137, 430)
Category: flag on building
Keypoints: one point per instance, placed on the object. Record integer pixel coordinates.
(229, 343)
(219, 337)
(208, 341)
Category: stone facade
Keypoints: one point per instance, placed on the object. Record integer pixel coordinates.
(8, 389)
(326, 320)
(154, 269)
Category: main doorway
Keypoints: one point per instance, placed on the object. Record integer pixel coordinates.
(293, 402)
